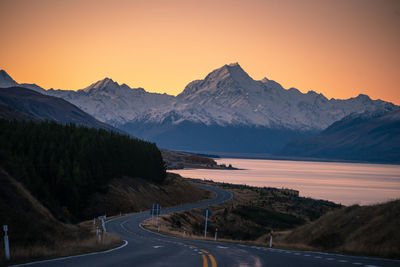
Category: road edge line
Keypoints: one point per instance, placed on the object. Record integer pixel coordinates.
(74, 256)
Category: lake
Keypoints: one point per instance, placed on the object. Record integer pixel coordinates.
(346, 183)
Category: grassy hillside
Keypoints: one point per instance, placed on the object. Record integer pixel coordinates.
(252, 213)
(131, 195)
(364, 230)
(34, 233)
(64, 165)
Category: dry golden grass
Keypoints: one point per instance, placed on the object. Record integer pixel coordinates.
(366, 230)
(168, 230)
(63, 248)
(132, 195)
(36, 235)
(362, 230)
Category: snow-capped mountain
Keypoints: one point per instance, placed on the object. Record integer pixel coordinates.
(113, 103)
(227, 110)
(229, 96)
(106, 100)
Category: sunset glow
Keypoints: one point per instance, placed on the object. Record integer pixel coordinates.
(338, 48)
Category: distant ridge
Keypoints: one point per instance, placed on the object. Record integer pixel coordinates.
(25, 104)
(368, 136)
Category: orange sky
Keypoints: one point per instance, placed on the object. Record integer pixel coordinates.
(338, 48)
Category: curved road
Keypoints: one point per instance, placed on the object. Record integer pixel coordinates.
(144, 248)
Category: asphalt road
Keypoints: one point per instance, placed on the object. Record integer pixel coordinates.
(144, 248)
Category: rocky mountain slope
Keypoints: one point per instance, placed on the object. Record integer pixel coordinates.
(367, 136)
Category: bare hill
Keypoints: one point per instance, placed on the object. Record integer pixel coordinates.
(364, 230)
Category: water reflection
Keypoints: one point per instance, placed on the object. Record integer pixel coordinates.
(346, 183)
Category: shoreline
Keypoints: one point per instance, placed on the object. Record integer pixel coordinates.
(261, 156)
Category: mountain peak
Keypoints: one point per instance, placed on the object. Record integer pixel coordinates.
(234, 64)
(103, 84)
(6, 80)
(363, 97)
(5, 77)
(233, 71)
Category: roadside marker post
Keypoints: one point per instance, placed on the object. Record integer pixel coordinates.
(216, 231)
(270, 238)
(103, 225)
(158, 213)
(98, 234)
(152, 213)
(6, 244)
(206, 213)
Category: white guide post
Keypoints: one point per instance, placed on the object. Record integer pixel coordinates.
(158, 212)
(216, 231)
(205, 225)
(270, 238)
(6, 244)
(152, 213)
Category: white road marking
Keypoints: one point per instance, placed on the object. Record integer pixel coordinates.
(75, 256)
(158, 246)
(222, 247)
(329, 259)
(318, 257)
(342, 261)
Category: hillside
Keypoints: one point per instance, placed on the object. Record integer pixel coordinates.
(363, 230)
(44, 107)
(367, 137)
(55, 176)
(34, 233)
(9, 113)
(63, 165)
(250, 215)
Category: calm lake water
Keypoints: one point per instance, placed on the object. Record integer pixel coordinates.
(346, 183)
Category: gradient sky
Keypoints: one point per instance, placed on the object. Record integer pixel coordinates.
(338, 48)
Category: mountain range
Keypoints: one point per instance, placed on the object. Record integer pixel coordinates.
(226, 111)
